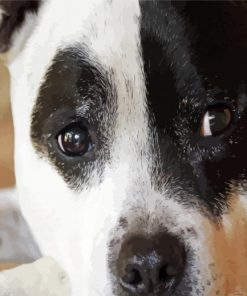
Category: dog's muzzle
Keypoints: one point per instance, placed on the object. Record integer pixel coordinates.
(151, 265)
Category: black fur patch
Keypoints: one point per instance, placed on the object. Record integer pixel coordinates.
(13, 18)
(195, 55)
(75, 90)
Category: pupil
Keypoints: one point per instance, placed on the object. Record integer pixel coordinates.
(75, 140)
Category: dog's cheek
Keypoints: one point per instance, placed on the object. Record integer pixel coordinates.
(72, 227)
(227, 243)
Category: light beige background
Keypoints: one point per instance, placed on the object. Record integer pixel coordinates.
(6, 137)
(7, 178)
(6, 132)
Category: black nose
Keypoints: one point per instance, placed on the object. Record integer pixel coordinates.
(151, 265)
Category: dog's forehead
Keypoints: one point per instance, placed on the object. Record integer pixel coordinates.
(118, 33)
(101, 25)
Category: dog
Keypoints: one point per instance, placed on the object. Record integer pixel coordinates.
(130, 141)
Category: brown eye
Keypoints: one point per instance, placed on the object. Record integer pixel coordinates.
(74, 140)
(216, 120)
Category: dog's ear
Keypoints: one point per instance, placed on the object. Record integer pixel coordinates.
(13, 15)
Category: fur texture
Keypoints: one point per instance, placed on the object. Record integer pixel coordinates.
(136, 75)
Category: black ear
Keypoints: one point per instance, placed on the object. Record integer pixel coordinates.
(12, 16)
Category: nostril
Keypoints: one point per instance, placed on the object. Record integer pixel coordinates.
(133, 281)
(166, 273)
(132, 277)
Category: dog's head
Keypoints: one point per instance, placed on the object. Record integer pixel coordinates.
(130, 141)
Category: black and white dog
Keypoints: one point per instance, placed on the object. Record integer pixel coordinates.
(130, 141)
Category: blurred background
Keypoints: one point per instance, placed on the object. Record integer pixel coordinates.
(6, 132)
(13, 244)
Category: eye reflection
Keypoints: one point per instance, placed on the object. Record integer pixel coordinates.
(215, 121)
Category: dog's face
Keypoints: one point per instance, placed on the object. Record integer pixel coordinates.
(130, 128)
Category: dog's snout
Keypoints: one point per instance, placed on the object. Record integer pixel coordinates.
(151, 265)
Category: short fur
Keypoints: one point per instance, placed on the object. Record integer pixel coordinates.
(140, 75)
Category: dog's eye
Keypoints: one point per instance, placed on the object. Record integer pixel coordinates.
(216, 120)
(74, 140)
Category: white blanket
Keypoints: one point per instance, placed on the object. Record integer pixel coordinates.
(42, 277)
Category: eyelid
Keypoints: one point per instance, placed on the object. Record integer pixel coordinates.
(70, 121)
